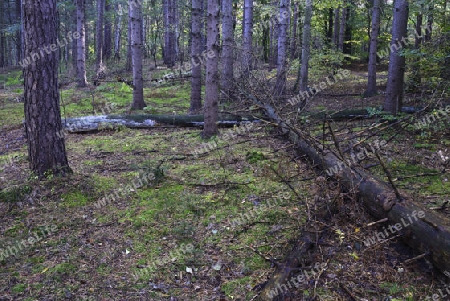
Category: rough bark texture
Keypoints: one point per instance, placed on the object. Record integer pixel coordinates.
(169, 32)
(306, 41)
(81, 45)
(280, 85)
(396, 72)
(372, 72)
(247, 38)
(212, 71)
(196, 46)
(135, 8)
(46, 147)
(227, 58)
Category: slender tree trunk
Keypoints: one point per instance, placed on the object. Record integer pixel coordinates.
(227, 46)
(280, 86)
(306, 41)
(212, 72)
(128, 63)
(2, 35)
(415, 69)
(46, 146)
(342, 28)
(396, 72)
(135, 8)
(99, 36)
(118, 32)
(18, 32)
(196, 49)
(81, 46)
(247, 38)
(372, 72)
(429, 31)
(293, 47)
(330, 26)
(108, 31)
(336, 28)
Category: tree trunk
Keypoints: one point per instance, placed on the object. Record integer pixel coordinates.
(280, 85)
(306, 41)
(135, 8)
(415, 66)
(396, 72)
(2, 35)
(196, 46)
(99, 36)
(81, 46)
(118, 32)
(108, 31)
(372, 72)
(330, 26)
(342, 27)
(227, 59)
(46, 146)
(429, 31)
(128, 63)
(293, 47)
(18, 32)
(212, 72)
(169, 32)
(336, 28)
(247, 38)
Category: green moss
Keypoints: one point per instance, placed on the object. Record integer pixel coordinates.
(74, 199)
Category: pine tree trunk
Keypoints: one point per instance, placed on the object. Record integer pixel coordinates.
(280, 86)
(212, 73)
(227, 59)
(306, 41)
(2, 36)
(396, 72)
(135, 8)
(293, 43)
(128, 63)
(342, 28)
(81, 45)
(108, 31)
(46, 146)
(117, 33)
(372, 72)
(99, 36)
(196, 46)
(247, 38)
(336, 28)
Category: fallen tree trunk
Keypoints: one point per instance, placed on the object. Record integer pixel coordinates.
(423, 229)
(95, 123)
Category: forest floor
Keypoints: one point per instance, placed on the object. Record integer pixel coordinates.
(182, 227)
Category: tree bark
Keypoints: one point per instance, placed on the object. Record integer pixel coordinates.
(196, 46)
(396, 72)
(306, 41)
(247, 38)
(117, 32)
(81, 45)
(227, 58)
(372, 72)
(107, 49)
(342, 27)
(293, 47)
(336, 28)
(128, 63)
(135, 8)
(212, 72)
(280, 85)
(46, 146)
(99, 36)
